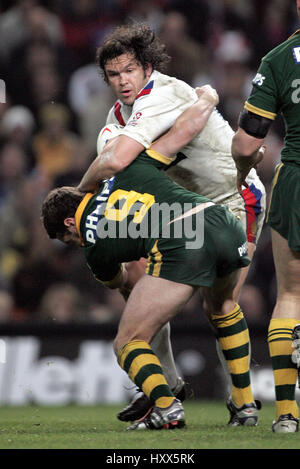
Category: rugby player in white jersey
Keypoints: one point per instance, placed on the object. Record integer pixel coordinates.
(148, 103)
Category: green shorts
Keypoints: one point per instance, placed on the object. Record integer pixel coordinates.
(284, 210)
(224, 250)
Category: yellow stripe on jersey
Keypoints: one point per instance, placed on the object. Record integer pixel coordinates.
(159, 157)
(294, 34)
(275, 179)
(157, 260)
(259, 111)
(79, 212)
(148, 265)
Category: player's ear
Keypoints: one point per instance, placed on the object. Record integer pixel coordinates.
(70, 222)
(148, 70)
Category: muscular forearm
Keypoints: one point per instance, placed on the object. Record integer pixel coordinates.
(247, 152)
(116, 156)
(101, 168)
(189, 124)
(120, 152)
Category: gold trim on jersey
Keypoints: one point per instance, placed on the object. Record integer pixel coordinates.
(259, 111)
(294, 34)
(277, 171)
(158, 156)
(79, 212)
(154, 259)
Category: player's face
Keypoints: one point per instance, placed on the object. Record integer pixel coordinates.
(127, 77)
(70, 237)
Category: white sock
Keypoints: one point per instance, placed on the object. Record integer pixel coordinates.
(161, 346)
(225, 368)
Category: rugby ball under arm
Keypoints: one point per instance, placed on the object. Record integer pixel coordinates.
(105, 134)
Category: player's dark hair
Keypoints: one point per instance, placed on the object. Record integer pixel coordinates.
(137, 39)
(59, 204)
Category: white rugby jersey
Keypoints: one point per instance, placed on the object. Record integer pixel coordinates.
(207, 157)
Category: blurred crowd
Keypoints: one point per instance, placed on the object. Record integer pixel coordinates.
(55, 104)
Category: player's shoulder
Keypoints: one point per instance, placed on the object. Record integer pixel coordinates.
(166, 87)
(284, 49)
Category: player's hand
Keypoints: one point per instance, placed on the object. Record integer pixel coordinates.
(242, 173)
(134, 271)
(209, 93)
(259, 155)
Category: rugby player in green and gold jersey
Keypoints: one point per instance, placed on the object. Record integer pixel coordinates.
(191, 244)
(276, 89)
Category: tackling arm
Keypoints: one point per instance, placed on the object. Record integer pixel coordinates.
(189, 124)
(127, 277)
(247, 152)
(120, 152)
(186, 127)
(247, 144)
(116, 156)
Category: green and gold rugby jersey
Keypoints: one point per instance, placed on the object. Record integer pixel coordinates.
(276, 89)
(110, 222)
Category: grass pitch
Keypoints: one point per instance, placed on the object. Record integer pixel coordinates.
(75, 427)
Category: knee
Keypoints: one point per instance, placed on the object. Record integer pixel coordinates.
(211, 305)
(292, 279)
(119, 343)
(122, 339)
(116, 347)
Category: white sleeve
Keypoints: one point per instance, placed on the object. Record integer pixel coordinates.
(154, 114)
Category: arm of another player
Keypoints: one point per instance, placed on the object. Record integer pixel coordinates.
(247, 152)
(128, 275)
(120, 152)
(135, 270)
(116, 156)
(254, 122)
(186, 127)
(189, 124)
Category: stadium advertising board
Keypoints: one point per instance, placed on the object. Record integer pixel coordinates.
(64, 365)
